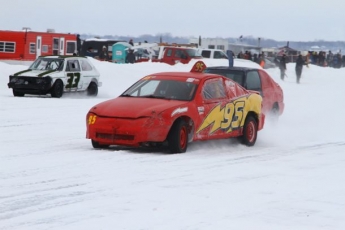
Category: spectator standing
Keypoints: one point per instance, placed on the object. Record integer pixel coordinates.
(299, 66)
(230, 58)
(131, 42)
(261, 61)
(104, 56)
(89, 52)
(130, 58)
(282, 66)
(330, 59)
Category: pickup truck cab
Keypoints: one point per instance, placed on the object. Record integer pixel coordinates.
(172, 55)
(213, 54)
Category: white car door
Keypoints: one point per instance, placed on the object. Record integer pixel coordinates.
(74, 75)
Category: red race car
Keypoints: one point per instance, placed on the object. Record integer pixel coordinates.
(175, 108)
(257, 80)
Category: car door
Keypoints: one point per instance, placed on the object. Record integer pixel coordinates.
(168, 56)
(254, 82)
(268, 90)
(215, 119)
(73, 75)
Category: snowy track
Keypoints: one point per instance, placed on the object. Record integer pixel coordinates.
(52, 178)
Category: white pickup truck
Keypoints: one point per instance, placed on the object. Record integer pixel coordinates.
(213, 54)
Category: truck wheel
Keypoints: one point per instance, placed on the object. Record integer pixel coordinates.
(57, 89)
(250, 131)
(92, 90)
(17, 94)
(96, 145)
(178, 137)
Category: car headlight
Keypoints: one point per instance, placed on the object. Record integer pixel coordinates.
(14, 80)
(39, 80)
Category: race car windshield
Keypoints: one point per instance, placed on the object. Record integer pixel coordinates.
(162, 89)
(47, 64)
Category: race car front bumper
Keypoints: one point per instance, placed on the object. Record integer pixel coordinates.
(30, 84)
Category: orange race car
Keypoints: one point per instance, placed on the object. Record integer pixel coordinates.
(175, 108)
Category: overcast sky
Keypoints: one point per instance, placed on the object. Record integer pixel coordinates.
(282, 20)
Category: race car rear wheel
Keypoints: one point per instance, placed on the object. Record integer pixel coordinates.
(92, 90)
(250, 131)
(17, 94)
(273, 115)
(57, 89)
(96, 145)
(178, 137)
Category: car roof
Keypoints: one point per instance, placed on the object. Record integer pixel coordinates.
(186, 75)
(231, 68)
(61, 56)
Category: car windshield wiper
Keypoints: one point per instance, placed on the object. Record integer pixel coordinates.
(126, 95)
(154, 96)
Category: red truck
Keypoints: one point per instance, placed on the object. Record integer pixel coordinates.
(172, 55)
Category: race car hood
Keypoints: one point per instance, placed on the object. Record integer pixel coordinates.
(128, 107)
(35, 73)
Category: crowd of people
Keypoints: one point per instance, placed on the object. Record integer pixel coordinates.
(316, 58)
(322, 59)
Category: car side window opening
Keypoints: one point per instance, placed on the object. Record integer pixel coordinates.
(206, 53)
(73, 66)
(85, 66)
(253, 81)
(213, 89)
(169, 52)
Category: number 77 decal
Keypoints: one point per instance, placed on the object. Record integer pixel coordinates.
(73, 80)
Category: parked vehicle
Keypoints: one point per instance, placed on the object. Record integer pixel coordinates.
(56, 75)
(175, 108)
(269, 64)
(257, 80)
(172, 54)
(213, 54)
(96, 44)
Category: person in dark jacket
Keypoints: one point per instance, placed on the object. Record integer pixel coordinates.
(299, 66)
(104, 56)
(282, 66)
(130, 58)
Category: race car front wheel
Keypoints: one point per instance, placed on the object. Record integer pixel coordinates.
(96, 145)
(250, 131)
(178, 137)
(92, 90)
(17, 94)
(57, 89)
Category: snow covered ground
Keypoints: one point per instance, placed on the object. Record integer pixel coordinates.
(293, 178)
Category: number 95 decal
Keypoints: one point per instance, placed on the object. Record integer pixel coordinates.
(227, 118)
(92, 119)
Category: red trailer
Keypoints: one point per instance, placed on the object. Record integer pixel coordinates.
(27, 45)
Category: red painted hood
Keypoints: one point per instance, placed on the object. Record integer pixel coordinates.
(130, 107)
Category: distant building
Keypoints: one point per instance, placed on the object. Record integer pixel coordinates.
(211, 43)
(19, 47)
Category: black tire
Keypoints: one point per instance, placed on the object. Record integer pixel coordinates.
(274, 113)
(250, 131)
(178, 137)
(92, 90)
(57, 89)
(17, 94)
(96, 145)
